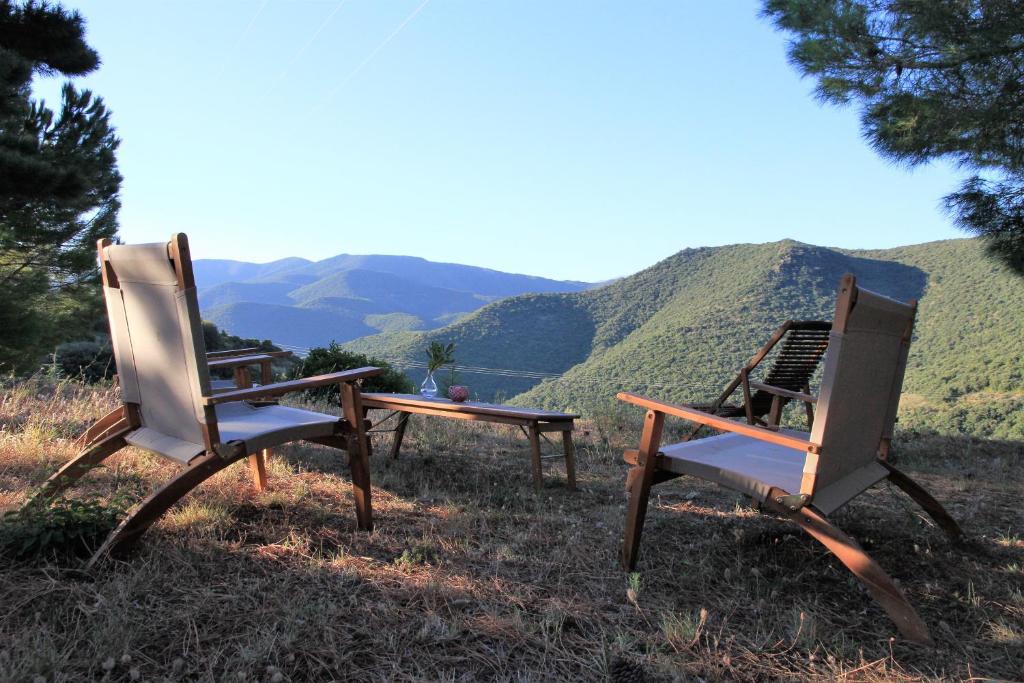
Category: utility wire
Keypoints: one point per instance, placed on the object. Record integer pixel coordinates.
(238, 41)
(305, 47)
(352, 74)
(708, 388)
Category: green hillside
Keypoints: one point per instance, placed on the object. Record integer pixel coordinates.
(679, 330)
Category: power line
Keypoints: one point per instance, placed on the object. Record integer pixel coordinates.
(706, 388)
(352, 74)
(305, 47)
(238, 41)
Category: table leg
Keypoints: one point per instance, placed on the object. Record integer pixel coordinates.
(396, 443)
(538, 480)
(570, 459)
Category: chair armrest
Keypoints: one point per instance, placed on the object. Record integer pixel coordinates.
(255, 350)
(720, 423)
(280, 388)
(210, 355)
(785, 393)
(228, 362)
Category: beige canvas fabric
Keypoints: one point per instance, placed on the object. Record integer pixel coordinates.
(161, 359)
(124, 360)
(739, 462)
(156, 349)
(198, 371)
(175, 449)
(265, 426)
(856, 408)
(863, 370)
(753, 467)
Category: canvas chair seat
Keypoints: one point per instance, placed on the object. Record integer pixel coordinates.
(755, 467)
(260, 427)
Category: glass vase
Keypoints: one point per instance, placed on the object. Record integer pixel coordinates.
(429, 387)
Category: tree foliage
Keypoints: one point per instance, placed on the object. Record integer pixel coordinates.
(59, 187)
(333, 358)
(934, 79)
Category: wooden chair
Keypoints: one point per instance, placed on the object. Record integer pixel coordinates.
(169, 407)
(803, 346)
(239, 361)
(804, 476)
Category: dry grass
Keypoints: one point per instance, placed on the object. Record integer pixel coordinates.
(471, 576)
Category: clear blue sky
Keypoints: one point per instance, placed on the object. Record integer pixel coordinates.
(569, 139)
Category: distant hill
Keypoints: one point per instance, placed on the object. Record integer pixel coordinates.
(679, 330)
(305, 303)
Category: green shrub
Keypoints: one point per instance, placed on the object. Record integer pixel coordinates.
(62, 528)
(216, 339)
(89, 361)
(322, 361)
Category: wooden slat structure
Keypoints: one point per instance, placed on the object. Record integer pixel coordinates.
(535, 422)
(803, 345)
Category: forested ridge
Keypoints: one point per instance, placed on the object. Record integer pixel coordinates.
(680, 329)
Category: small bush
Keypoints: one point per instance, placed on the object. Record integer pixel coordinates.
(216, 339)
(89, 361)
(61, 528)
(417, 555)
(322, 361)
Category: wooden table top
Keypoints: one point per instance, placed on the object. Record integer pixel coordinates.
(410, 402)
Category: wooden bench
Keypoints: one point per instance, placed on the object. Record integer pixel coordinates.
(534, 422)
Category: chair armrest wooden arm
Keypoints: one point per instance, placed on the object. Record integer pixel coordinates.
(279, 388)
(228, 353)
(255, 350)
(720, 423)
(239, 361)
(785, 393)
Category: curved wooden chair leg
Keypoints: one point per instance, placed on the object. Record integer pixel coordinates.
(927, 503)
(78, 466)
(103, 426)
(874, 578)
(149, 510)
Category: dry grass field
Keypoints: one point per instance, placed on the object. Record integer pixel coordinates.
(470, 576)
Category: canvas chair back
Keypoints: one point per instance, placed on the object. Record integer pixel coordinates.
(861, 383)
(158, 343)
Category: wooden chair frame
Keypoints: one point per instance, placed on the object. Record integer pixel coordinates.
(108, 434)
(648, 469)
(803, 346)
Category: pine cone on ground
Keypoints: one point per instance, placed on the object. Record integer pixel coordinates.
(625, 671)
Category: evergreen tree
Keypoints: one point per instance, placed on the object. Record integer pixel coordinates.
(934, 79)
(59, 184)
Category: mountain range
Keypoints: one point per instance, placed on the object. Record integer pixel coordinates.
(679, 330)
(304, 303)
